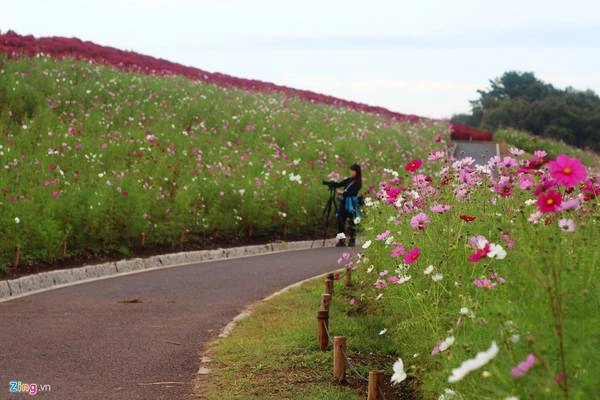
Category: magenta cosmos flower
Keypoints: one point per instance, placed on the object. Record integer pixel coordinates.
(549, 201)
(412, 255)
(524, 366)
(413, 166)
(567, 171)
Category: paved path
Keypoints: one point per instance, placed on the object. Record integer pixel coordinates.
(87, 344)
(480, 151)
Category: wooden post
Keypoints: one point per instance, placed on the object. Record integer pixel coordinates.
(329, 286)
(325, 302)
(348, 276)
(16, 258)
(375, 378)
(339, 361)
(63, 250)
(323, 322)
(143, 241)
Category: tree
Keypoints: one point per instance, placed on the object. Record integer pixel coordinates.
(520, 100)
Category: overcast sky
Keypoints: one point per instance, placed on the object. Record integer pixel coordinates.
(424, 57)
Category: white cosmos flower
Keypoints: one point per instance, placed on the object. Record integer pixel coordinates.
(370, 269)
(389, 240)
(449, 341)
(399, 374)
(530, 202)
(367, 244)
(17, 220)
(481, 358)
(429, 270)
(341, 236)
(403, 279)
(357, 220)
(383, 331)
(464, 311)
(379, 296)
(437, 277)
(496, 251)
(447, 395)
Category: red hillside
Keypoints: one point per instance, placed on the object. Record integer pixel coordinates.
(15, 45)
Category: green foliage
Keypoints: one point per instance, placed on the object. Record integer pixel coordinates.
(97, 157)
(521, 101)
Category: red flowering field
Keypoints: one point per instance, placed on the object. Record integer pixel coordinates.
(13, 44)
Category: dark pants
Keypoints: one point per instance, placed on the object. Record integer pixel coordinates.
(344, 215)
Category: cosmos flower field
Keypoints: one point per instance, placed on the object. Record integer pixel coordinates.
(100, 159)
(485, 277)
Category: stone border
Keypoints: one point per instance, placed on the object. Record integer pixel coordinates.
(44, 281)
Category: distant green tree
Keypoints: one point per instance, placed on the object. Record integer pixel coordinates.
(520, 100)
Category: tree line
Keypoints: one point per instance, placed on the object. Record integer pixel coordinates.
(522, 101)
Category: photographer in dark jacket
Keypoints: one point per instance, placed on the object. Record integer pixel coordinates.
(349, 205)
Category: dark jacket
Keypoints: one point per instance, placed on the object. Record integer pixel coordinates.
(351, 187)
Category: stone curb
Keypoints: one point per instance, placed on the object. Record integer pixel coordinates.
(44, 281)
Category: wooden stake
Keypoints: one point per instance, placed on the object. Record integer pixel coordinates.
(348, 276)
(143, 241)
(325, 302)
(63, 250)
(329, 286)
(16, 258)
(375, 378)
(323, 322)
(339, 361)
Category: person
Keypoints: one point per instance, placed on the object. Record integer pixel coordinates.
(348, 209)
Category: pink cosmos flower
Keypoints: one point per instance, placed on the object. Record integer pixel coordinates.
(539, 154)
(353, 301)
(397, 251)
(383, 235)
(393, 279)
(419, 221)
(570, 203)
(413, 166)
(524, 366)
(525, 182)
(380, 284)
(437, 138)
(484, 283)
(257, 182)
(549, 201)
(503, 187)
(567, 171)
(440, 208)
(435, 156)
(345, 256)
(508, 240)
(412, 255)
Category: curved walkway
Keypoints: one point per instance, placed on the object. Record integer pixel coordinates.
(480, 151)
(137, 336)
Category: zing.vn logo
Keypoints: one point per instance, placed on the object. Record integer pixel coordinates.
(30, 388)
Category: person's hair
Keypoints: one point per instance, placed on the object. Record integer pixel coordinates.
(356, 167)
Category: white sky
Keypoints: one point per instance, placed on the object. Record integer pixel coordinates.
(423, 56)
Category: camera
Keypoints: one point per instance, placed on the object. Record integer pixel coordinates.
(329, 183)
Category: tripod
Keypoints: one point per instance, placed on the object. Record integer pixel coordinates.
(331, 203)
